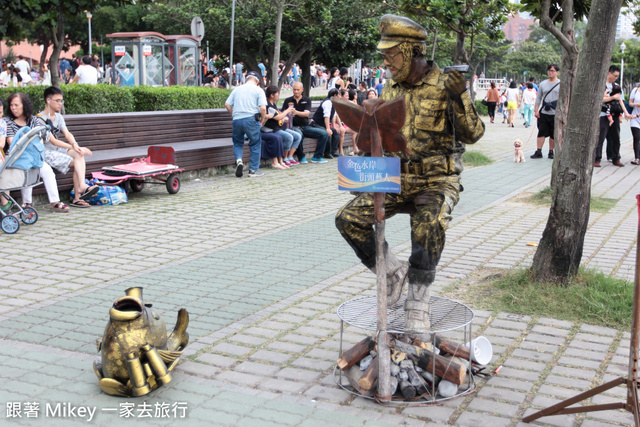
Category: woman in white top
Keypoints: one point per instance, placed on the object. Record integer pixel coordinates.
(634, 101)
(334, 76)
(528, 99)
(513, 102)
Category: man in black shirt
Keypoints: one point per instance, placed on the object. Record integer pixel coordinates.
(302, 106)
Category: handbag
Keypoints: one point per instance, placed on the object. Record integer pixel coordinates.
(484, 102)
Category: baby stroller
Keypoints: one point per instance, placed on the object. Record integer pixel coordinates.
(21, 169)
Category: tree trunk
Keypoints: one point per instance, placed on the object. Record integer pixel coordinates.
(57, 38)
(276, 45)
(435, 42)
(305, 70)
(560, 250)
(460, 55)
(43, 56)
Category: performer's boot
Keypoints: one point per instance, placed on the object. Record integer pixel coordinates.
(417, 304)
(396, 276)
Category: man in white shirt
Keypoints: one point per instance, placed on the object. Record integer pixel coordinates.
(86, 73)
(22, 64)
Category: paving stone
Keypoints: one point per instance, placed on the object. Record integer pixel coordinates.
(499, 323)
(307, 363)
(549, 330)
(287, 347)
(578, 362)
(509, 383)
(489, 406)
(586, 354)
(217, 360)
(520, 374)
(333, 394)
(261, 369)
(240, 378)
(556, 420)
(586, 374)
(501, 394)
(247, 339)
(200, 369)
(555, 322)
(546, 339)
(600, 330)
(285, 386)
(271, 356)
(481, 420)
(298, 374)
(236, 350)
(594, 338)
(524, 364)
(568, 382)
(435, 413)
(527, 354)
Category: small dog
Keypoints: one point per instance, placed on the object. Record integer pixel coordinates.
(519, 154)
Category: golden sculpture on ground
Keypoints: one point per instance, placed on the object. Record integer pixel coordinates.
(137, 354)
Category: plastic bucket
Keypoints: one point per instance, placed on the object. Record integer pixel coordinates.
(481, 350)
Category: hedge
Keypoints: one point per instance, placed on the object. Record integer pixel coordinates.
(95, 99)
(483, 110)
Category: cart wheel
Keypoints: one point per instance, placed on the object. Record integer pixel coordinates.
(10, 224)
(136, 185)
(173, 184)
(29, 216)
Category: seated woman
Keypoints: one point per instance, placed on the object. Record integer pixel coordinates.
(290, 138)
(20, 114)
(272, 148)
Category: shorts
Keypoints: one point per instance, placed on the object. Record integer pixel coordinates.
(57, 157)
(546, 126)
(512, 105)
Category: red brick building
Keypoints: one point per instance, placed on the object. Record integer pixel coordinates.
(517, 29)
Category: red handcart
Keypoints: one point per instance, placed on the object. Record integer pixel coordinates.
(159, 163)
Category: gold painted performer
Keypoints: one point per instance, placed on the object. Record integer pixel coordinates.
(440, 119)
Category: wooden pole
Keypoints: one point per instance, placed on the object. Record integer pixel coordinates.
(635, 325)
(384, 354)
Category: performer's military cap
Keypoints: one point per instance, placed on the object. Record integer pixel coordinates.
(396, 29)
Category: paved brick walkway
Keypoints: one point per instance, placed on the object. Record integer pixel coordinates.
(261, 269)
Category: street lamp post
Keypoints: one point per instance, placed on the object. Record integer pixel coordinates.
(622, 48)
(89, 20)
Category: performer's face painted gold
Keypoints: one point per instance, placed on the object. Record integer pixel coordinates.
(398, 59)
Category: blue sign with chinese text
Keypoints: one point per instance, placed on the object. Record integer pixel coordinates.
(369, 174)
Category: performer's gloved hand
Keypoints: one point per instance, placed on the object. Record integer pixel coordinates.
(455, 84)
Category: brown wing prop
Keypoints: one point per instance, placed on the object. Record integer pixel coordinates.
(387, 118)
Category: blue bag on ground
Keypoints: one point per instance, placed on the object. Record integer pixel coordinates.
(106, 195)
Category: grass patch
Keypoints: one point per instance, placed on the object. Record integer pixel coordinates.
(598, 204)
(591, 297)
(475, 158)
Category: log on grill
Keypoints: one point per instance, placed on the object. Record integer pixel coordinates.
(355, 353)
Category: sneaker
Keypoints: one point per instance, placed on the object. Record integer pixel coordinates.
(239, 168)
(551, 154)
(255, 173)
(318, 160)
(327, 156)
(286, 162)
(303, 161)
(293, 162)
(537, 154)
(7, 207)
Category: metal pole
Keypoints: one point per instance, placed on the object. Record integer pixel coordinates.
(622, 74)
(233, 17)
(208, 55)
(90, 36)
(635, 321)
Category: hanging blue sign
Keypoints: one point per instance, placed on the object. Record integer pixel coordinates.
(369, 174)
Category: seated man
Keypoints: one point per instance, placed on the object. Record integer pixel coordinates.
(301, 113)
(63, 155)
(325, 118)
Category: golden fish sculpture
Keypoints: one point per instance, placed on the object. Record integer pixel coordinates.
(137, 355)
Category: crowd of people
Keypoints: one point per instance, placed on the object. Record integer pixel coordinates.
(276, 132)
(541, 101)
(83, 70)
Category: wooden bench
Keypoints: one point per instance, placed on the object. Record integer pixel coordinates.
(201, 139)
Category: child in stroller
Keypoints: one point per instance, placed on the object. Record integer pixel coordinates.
(21, 169)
